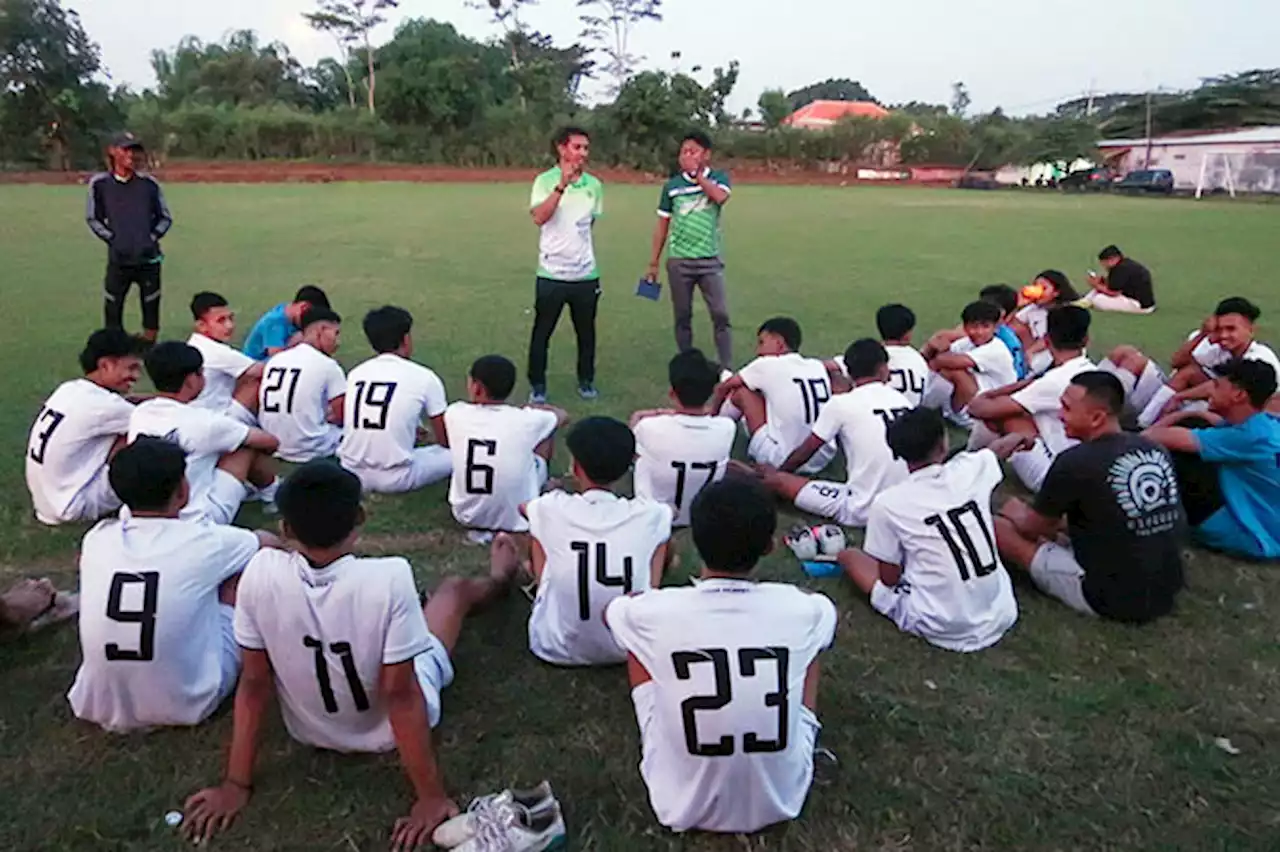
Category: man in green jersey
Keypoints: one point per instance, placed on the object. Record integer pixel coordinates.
(689, 212)
(565, 203)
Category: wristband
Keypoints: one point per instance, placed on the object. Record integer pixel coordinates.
(559, 190)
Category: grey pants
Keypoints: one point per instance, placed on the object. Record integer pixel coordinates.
(706, 274)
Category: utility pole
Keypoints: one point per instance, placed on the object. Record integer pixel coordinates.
(1147, 165)
(1088, 107)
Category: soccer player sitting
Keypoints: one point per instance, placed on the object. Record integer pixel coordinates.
(357, 662)
(724, 675)
(1124, 522)
(303, 391)
(1224, 336)
(679, 451)
(278, 328)
(907, 368)
(78, 429)
(1227, 462)
(590, 548)
(389, 395)
(1033, 407)
(975, 363)
(929, 560)
(231, 378)
(157, 598)
(859, 419)
(224, 456)
(1031, 322)
(781, 394)
(1007, 299)
(500, 451)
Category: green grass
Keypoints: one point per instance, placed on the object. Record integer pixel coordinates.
(1069, 735)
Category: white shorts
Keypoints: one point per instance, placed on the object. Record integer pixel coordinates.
(428, 465)
(1121, 304)
(237, 412)
(767, 449)
(229, 653)
(221, 503)
(1056, 572)
(1033, 465)
(435, 671)
(830, 500)
(96, 500)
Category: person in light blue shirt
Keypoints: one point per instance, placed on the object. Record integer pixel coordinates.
(1229, 468)
(1007, 298)
(275, 329)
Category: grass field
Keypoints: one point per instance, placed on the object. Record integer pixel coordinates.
(1069, 735)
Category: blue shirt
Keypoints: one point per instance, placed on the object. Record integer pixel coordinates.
(1248, 456)
(1010, 339)
(272, 331)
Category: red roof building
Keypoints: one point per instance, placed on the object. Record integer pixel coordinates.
(820, 115)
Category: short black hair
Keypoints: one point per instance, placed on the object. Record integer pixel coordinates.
(693, 378)
(603, 447)
(864, 358)
(312, 295)
(701, 137)
(1110, 252)
(1238, 305)
(315, 314)
(786, 328)
(1103, 388)
(733, 522)
(1256, 378)
(205, 301)
(1061, 283)
(1068, 327)
(320, 502)
(981, 311)
(147, 473)
(916, 434)
(170, 362)
(386, 327)
(107, 343)
(564, 134)
(895, 321)
(496, 374)
(1000, 294)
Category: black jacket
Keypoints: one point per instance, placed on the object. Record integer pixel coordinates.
(129, 216)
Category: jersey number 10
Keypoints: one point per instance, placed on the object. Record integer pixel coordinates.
(962, 545)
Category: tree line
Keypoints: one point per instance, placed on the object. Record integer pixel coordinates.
(430, 94)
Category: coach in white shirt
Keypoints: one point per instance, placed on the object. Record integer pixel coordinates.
(1033, 407)
(224, 457)
(303, 390)
(389, 395)
(157, 597)
(78, 429)
(231, 378)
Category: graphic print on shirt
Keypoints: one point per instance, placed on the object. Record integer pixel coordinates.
(1146, 489)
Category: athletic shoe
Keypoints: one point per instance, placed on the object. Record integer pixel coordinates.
(587, 390)
(538, 395)
(518, 830)
(465, 826)
(480, 537)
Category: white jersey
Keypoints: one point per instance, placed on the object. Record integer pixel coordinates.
(223, 366)
(387, 397)
(151, 629)
(795, 389)
(69, 444)
(937, 526)
(992, 362)
(599, 547)
(328, 632)
(1211, 356)
(860, 419)
(293, 403)
(677, 455)
(1042, 399)
(908, 371)
(1035, 318)
(727, 742)
(494, 466)
(204, 435)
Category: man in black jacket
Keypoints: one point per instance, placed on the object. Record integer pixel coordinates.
(1124, 287)
(127, 211)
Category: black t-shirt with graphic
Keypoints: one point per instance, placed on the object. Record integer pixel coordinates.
(1120, 496)
(1132, 279)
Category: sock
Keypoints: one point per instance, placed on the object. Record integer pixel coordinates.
(1147, 386)
(1151, 413)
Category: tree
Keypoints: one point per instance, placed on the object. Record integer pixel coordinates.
(607, 25)
(351, 23)
(774, 107)
(960, 99)
(843, 89)
(239, 71)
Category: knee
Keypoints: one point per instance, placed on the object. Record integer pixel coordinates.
(1124, 354)
(720, 320)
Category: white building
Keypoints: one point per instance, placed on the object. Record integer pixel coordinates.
(1237, 160)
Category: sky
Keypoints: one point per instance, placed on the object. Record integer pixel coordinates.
(1006, 53)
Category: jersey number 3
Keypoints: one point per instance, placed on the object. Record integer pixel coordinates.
(684, 661)
(40, 439)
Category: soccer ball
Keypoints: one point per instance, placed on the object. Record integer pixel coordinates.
(821, 543)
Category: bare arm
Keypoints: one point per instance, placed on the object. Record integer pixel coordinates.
(802, 453)
(537, 555)
(260, 440)
(1007, 445)
(660, 231)
(269, 539)
(997, 404)
(543, 212)
(336, 409)
(1176, 438)
(1029, 522)
(1182, 356)
(658, 565)
(714, 192)
(951, 361)
(411, 727)
(647, 413)
(723, 391)
(439, 430)
(562, 416)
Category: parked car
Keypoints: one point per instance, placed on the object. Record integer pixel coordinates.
(977, 180)
(1151, 181)
(1088, 180)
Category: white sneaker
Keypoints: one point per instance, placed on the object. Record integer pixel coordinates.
(518, 830)
(480, 537)
(464, 826)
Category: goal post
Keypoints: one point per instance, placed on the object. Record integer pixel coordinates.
(1229, 168)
